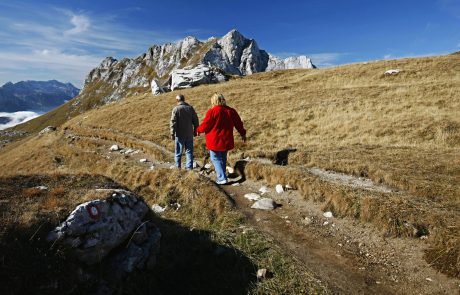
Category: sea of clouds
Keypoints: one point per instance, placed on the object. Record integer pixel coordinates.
(8, 120)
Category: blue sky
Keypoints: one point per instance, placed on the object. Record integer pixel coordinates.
(64, 40)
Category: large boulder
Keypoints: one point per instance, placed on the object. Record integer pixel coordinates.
(140, 253)
(156, 87)
(194, 76)
(97, 227)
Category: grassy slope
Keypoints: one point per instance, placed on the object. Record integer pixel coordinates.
(191, 236)
(401, 130)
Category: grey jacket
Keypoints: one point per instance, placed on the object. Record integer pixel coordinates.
(184, 121)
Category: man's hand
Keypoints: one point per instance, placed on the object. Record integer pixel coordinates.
(243, 137)
(173, 137)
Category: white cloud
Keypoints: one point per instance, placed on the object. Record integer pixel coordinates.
(54, 43)
(46, 64)
(81, 24)
(16, 118)
(411, 55)
(387, 56)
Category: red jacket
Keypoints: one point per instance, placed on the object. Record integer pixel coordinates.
(218, 126)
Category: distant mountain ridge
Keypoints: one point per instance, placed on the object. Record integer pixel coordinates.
(188, 60)
(233, 54)
(38, 96)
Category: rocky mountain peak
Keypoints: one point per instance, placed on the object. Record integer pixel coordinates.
(233, 37)
(187, 45)
(107, 62)
(232, 54)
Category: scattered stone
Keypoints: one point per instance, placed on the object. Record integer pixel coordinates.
(264, 190)
(392, 72)
(429, 279)
(129, 151)
(208, 166)
(279, 188)
(114, 148)
(195, 165)
(236, 184)
(176, 206)
(48, 129)
(143, 160)
(288, 187)
(156, 87)
(264, 204)
(152, 167)
(325, 223)
(328, 214)
(307, 221)
(261, 273)
(42, 187)
(96, 227)
(252, 196)
(172, 167)
(423, 237)
(230, 170)
(158, 209)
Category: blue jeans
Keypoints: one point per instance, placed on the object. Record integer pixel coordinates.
(181, 144)
(219, 160)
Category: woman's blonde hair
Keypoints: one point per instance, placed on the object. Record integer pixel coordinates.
(218, 99)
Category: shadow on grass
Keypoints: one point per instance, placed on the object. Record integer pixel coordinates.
(189, 262)
(282, 157)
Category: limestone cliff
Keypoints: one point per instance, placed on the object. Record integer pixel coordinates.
(233, 54)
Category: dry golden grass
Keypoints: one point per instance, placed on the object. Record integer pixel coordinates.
(203, 222)
(401, 130)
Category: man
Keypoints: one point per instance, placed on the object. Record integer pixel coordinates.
(184, 122)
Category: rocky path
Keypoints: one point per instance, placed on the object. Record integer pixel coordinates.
(348, 256)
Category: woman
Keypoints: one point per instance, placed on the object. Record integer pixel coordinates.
(218, 127)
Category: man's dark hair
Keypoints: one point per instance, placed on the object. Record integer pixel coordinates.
(180, 97)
